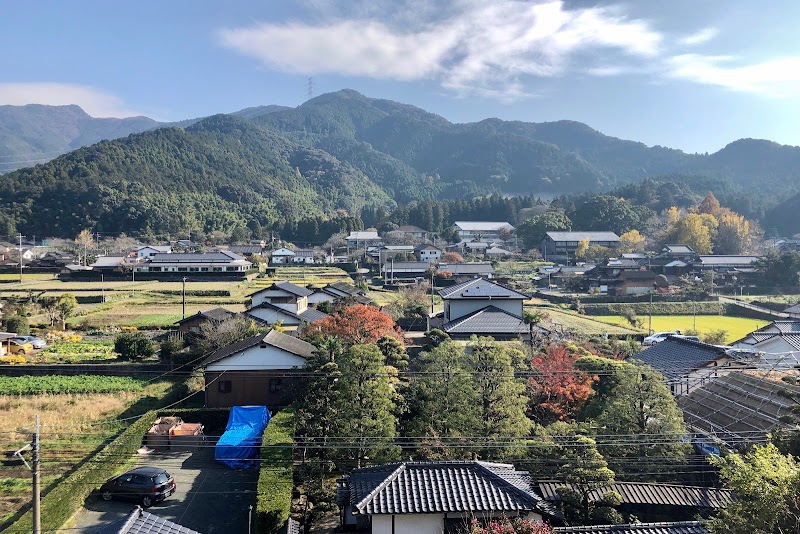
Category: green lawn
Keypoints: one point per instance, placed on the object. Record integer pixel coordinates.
(736, 327)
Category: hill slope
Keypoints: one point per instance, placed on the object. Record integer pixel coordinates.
(219, 173)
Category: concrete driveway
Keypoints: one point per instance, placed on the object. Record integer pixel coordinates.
(210, 498)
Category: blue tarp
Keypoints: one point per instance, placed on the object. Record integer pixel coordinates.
(238, 447)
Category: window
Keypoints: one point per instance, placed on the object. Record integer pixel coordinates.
(275, 384)
(225, 386)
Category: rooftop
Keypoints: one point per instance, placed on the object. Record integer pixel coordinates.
(467, 268)
(727, 260)
(579, 236)
(651, 494)
(363, 235)
(482, 226)
(678, 249)
(276, 339)
(675, 527)
(481, 288)
(488, 320)
(212, 314)
(141, 522)
(676, 357)
(224, 256)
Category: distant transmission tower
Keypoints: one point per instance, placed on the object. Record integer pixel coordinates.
(310, 89)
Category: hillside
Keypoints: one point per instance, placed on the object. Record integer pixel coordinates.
(219, 173)
(35, 133)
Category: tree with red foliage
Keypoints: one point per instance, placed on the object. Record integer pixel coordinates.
(558, 388)
(355, 325)
(504, 525)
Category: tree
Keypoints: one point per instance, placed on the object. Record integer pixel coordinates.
(558, 389)
(673, 216)
(213, 335)
(440, 391)
(65, 306)
(17, 323)
(766, 485)
(583, 249)
(452, 257)
(501, 402)
(631, 241)
(710, 205)
(50, 307)
(733, 234)
(534, 229)
(606, 212)
(367, 407)
(504, 525)
(779, 270)
(641, 408)
(354, 325)
(85, 239)
(597, 253)
(585, 471)
(132, 345)
(505, 233)
(694, 230)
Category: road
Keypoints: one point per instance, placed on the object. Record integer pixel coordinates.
(210, 498)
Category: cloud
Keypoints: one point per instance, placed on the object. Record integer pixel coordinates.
(472, 46)
(698, 37)
(776, 77)
(95, 102)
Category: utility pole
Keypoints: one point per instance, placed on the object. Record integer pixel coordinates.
(431, 313)
(20, 257)
(184, 297)
(37, 516)
(103, 287)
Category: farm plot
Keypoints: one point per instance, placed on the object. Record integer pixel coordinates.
(558, 319)
(735, 327)
(80, 352)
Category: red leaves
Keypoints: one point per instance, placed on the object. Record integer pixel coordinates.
(558, 389)
(356, 325)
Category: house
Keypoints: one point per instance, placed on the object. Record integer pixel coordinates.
(721, 263)
(141, 522)
(385, 253)
(562, 275)
(435, 497)
(787, 245)
(283, 302)
(679, 252)
(601, 276)
(413, 232)
(461, 272)
(774, 344)
(364, 239)
(738, 409)
(632, 283)
(428, 253)
(793, 311)
(404, 270)
(667, 527)
(194, 322)
(561, 246)
(147, 252)
(485, 308)
(477, 248)
(260, 370)
(497, 252)
(303, 255)
(651, 501)
(339, 291)
(480, 230)
(686, 364)
(281, 256)
(247, 250)
(209, 262)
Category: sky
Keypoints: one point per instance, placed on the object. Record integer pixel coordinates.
(688, 74)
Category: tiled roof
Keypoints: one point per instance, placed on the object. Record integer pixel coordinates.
(213, 314)
(224, 256)
(676, 527)
(480, 288)
(310, 315)
(793, 309)
(727, 260)
(649, 493)
(437, 487)
(467, 268)
(410, 228)
(246, 249)
(397, 266)
(488, 320)
(482, 226)
(141, 522)
(679, 249)
(274, 338)
(293, 289)
(579, 236)
(363, 236)
(344, 287)
(738, 407)
(676, 357)
(307, 316)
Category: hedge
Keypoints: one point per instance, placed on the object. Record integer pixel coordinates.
(658, 308)
(275, 480)
(194, 292)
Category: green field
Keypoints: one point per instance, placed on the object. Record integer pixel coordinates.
(582, 324)
(736, 327)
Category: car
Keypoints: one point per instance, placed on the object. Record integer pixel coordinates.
(658, 337)
(37, 342)
(15, 346)
(145, 485)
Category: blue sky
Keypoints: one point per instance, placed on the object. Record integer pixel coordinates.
(693, 75)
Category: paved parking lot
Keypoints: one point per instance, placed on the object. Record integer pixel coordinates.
(210, 498)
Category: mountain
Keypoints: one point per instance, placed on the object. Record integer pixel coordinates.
(36, 133)
(218, 174)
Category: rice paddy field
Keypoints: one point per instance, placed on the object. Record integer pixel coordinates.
(735, 327)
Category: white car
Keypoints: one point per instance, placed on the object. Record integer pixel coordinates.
(658, 337)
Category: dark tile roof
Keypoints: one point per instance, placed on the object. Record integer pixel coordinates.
(793, 309)
(344, 287)
(480, 288)
(292, 288)
(141, 522)
(246, 249)
(676, 357)
(625, 276)
(488, 320)
(214, 314)
(467, 268)
(676, 527)
(274, 338)
(679, 249)
(738, 407)
(309, 315)
(438, 487)
(223, 256)
(654, 494)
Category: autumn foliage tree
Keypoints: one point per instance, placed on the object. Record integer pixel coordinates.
(355, 325)
(557, 388)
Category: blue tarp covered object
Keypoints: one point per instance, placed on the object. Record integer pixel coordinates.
(238, 447)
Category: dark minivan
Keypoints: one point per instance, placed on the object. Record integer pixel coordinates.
(147, 485)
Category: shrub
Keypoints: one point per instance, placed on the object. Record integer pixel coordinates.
(170, 348)
(715, 337)
(18, 324)
(275, 480)
(13, 359)
(131, 345)
(57, 384)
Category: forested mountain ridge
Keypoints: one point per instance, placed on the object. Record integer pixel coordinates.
(218, 174)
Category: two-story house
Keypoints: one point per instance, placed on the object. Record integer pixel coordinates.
(482, 230)
(428, 253)
(561, 246)
(283, 302)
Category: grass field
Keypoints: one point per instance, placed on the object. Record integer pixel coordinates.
(80, 352)
(580, 323)
(736, 327)
(68, 433)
